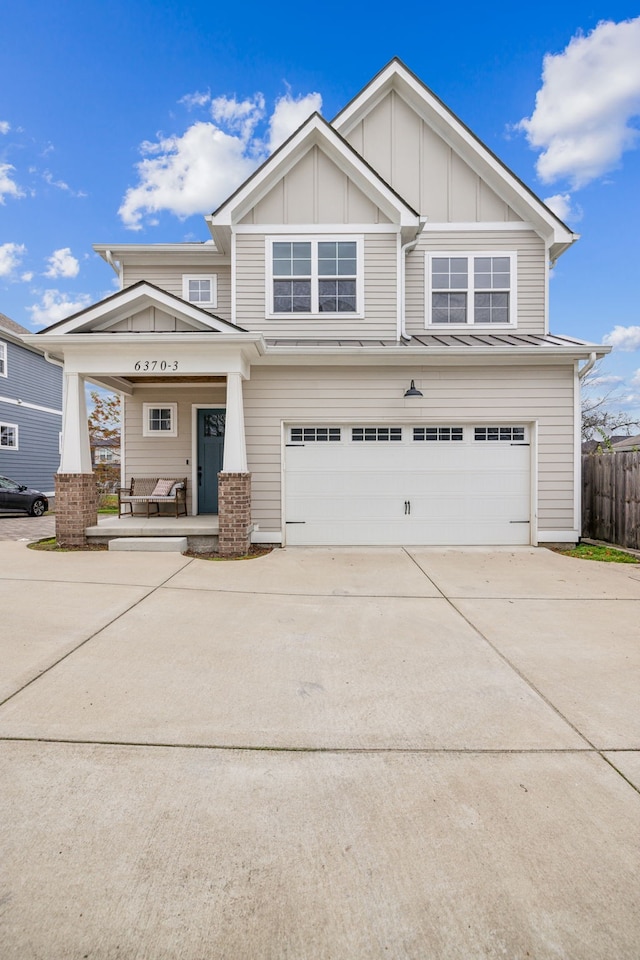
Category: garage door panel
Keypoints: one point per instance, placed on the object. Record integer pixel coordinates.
(368, 493)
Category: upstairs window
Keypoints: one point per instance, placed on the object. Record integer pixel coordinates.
(3, 359)
(315, 276)
(200, 289)
(466, 289)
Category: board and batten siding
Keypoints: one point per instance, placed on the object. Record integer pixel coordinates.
(482, 395)
(315, 190)
(170, 279)
(380, 294)
(165, 456)
(408, 154)
(531, 279)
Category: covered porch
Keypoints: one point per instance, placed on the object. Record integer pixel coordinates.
(179, 372)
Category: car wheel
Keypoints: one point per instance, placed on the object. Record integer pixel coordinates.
(37, 508)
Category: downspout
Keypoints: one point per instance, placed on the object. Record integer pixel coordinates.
(51, 359)
(404, 250)
(588, 366)
(116, 266)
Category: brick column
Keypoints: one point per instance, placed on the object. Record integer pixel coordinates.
(76, 507)
(234, 513)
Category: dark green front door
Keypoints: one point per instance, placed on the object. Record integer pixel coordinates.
(210, 452)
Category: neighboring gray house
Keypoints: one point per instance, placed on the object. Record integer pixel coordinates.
(30, 410)
(361, 352)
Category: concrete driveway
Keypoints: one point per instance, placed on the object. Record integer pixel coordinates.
(319, 754)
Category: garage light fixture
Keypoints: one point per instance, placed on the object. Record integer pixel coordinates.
(412, 391)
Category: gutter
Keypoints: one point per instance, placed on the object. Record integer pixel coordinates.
(588, 365)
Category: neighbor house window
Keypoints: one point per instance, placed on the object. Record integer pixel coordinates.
(160, 420)
(8, 436)
(315, 276)
(200, 289)
(471, 289)
(3, 359)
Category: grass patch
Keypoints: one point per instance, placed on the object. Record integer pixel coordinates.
(108, 503)
(51, 545)
(587, 551)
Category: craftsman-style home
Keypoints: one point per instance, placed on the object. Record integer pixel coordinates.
(360, 354)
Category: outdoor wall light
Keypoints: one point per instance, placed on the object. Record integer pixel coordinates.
(412, 391)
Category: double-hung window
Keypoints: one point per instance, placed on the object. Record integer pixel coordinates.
(315, 276)
(466, 289)
(3, 359)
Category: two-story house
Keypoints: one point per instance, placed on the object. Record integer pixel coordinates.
(30, 410)
(360, 354)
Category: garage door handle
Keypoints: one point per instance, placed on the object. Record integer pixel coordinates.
(519, 521)
(407, 507)
(296, 521)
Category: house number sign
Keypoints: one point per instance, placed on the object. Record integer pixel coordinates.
(148, 366)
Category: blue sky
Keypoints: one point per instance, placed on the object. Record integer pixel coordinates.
(108, 109)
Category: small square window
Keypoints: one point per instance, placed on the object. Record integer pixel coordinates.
(200, 289)
(160, 420)
(8, 436)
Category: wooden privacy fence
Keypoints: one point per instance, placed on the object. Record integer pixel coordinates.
(611, 498)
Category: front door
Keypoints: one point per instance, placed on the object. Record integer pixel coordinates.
(210, 454)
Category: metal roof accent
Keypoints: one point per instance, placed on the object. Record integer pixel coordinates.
(498, 341)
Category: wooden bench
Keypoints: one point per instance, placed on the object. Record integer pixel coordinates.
(145, 491)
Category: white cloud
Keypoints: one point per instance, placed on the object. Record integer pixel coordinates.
(27, 277)
(289, 113)
(562, 206)
(47, 176)
(590, 94)
(11, 255)
(62, 263)
(5, 126)
(195, 172)
(8, 186)
(635, 379)
(196, 99)
(55, 305)
(626, 339)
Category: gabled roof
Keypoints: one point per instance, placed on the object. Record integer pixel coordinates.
(133, 299)
(397, 76)
(10, 326)
(315, 131)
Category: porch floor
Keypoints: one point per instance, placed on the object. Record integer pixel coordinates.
(205, 525)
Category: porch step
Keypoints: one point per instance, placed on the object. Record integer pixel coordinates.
(149, 544)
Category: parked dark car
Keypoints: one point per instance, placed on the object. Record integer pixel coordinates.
(16, 496)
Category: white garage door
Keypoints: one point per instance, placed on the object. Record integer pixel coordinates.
(407, 484)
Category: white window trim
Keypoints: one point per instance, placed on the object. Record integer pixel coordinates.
(3, 357)
(469, 325)
(213, 277)
(160, 404)
(314, 239)
(14, 427)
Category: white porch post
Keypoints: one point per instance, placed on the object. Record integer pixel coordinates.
(235, 447)
(234, 481)
(76, 450)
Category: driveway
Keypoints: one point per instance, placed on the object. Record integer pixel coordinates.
(19, 526)
(319, 754)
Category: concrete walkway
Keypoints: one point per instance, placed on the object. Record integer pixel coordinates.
(318, 755)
